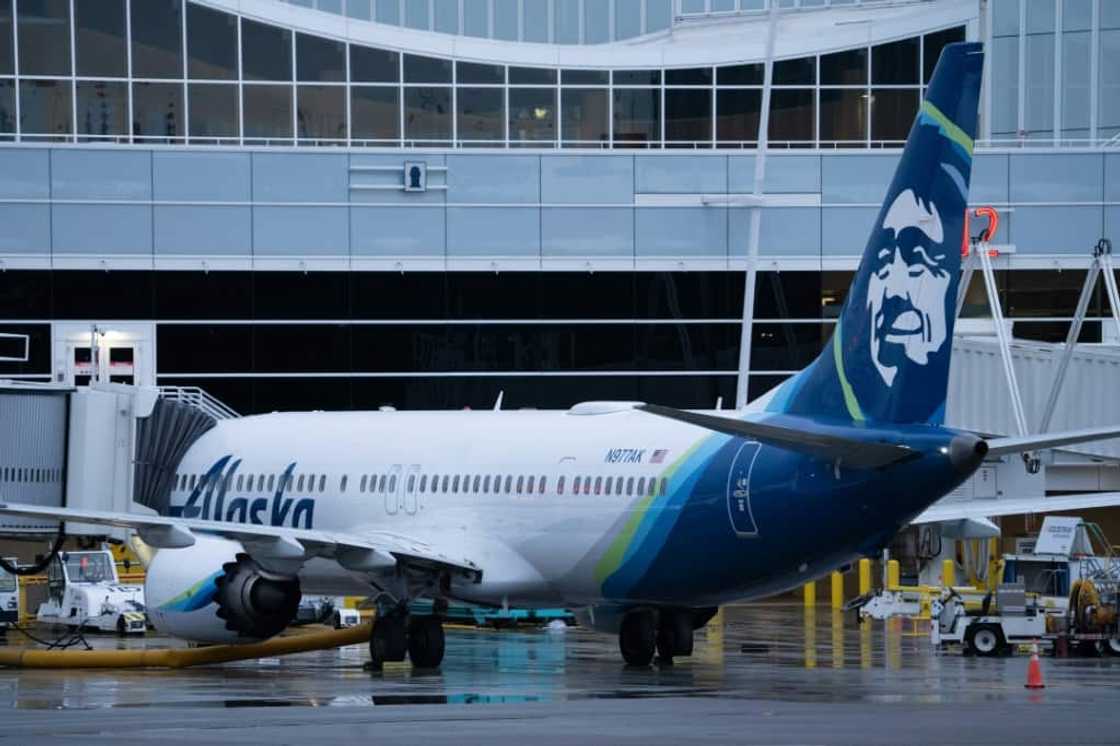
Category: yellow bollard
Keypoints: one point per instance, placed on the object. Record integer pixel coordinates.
(864, 576)
(948, 573)
(837, 590)
(810, 594)
(892, 574)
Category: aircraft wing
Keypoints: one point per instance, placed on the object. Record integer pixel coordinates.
(368, 551)
(981, 508)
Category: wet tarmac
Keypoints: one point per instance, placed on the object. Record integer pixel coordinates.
(768, 674)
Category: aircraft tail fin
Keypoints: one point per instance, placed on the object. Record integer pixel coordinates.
(888, 359)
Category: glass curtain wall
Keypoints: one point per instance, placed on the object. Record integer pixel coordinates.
(387, 338)
(176, 72)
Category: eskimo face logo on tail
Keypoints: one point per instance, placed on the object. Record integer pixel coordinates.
(210, 500)
(907, 288)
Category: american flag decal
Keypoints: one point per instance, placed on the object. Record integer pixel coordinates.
(658, 456)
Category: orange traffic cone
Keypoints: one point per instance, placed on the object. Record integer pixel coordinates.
(1034, 670)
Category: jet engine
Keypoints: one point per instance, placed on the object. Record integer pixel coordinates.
(214, 591)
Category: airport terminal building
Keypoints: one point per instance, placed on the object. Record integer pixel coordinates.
(335, 204)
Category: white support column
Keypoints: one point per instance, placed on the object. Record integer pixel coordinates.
(1058, 72)
(240, 90)
(15, 65)
(1071, 343)
(1021, 120)
(128, 58)
(295, 91)
(1094, 68)
(1004, 341)
(73, 78)
(186, 78)
(986, 76)
(741, 387)
(348, 104)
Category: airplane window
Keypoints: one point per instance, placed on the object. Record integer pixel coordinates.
(411, 482)
(598, 484)
(381, 484)
(362, 484)
(240, 482)
(560, 486)
(477, 482)
(260, 483)
(520, 484)
(664, 484)
(342, 485)
(446, 479)
(271, 481)
(455, 484)
(618, 485)
(435, 483)
(630, 486)
(193, 477)
(393, 484)
(529, 488)
(641, 486)
(423, 482)
(486, 484)
(299, 484)
(607, 486)
(540, 486)
(509, 482)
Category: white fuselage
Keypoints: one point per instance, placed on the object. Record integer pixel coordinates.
(469, 482)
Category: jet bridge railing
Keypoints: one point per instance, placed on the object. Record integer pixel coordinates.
(199, 398)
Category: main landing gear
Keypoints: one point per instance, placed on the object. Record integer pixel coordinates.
(397, 633)
(666, 631)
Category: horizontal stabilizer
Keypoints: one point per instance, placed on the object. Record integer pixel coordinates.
(979, 508)
(815, 440)
(1001, 446)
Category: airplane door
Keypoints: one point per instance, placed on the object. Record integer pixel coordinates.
(393, 492)
(739, 491)
(411, 489)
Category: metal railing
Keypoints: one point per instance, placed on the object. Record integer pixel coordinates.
(200, 398)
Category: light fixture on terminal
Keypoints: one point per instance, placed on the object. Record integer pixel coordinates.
(540, 112)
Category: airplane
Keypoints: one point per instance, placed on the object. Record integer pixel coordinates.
(642, 518)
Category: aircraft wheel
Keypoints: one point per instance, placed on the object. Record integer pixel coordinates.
(674, 635)
(389, 640)
(425, 642)
(986, 640)
(637, 638)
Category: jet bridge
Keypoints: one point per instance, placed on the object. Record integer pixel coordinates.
(104, 446)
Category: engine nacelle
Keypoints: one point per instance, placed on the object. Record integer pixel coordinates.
(215, 592)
